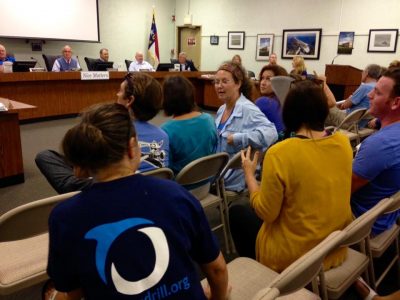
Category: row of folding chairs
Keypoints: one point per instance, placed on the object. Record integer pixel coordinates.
(252, 280)
(25, 229)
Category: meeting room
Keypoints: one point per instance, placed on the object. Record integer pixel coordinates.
(198, 149)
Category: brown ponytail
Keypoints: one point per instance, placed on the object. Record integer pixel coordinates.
(100, 139)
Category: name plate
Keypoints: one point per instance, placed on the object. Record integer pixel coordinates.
(97, 75)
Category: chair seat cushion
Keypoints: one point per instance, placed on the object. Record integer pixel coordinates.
(247, 277)
(350, 135)
(23, 263)
(364, 132)
(210, 200)
(340, 278)
(381, 242)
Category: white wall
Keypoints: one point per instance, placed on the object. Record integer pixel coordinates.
(125, 27)
(272, 16)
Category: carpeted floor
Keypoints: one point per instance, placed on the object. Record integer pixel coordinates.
(34, 138)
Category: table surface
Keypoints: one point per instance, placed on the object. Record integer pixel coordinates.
(12, 105)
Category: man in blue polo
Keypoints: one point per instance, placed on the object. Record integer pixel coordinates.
(4, 57)
(66, 62)
(376, 167)
(358, 100)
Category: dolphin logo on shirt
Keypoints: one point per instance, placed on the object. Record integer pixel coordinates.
(106, 234)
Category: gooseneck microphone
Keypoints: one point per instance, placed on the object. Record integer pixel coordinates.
(333, 60)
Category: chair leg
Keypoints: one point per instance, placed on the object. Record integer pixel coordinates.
(223, 211)
(371, 278)
(322, 285)
(231, 244)
(224, 227)
(315, 287)
(398, 258)
(394, 261)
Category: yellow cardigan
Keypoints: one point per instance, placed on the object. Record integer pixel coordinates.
(304, 196)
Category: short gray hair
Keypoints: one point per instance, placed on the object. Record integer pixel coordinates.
(374, 71)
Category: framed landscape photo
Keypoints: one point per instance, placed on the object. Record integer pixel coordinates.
(214, 40)
(382, 40)
(304, 42)
(265, 43)
(345, 43)
(236, 40)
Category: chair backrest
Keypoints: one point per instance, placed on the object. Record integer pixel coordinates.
(307, 267)
(352, 118)
(49, 61)
(360, 228)
(280, 86)
(251, 74)
(30, 219)
(394, 204)
(128, 63)
(267, 294)
(162, 173)
(90, 63)
(235, 162)
(202, 169)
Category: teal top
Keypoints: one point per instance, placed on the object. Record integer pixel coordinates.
(190, 139)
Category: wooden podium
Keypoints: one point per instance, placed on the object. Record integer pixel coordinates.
(343, 80)
(11, 163)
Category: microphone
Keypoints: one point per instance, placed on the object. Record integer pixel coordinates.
(334, 59)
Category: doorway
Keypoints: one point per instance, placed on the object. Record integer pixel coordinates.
(189, 41)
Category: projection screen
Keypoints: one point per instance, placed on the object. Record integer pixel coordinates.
(75, 20)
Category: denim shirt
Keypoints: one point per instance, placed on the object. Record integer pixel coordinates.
(249, 127)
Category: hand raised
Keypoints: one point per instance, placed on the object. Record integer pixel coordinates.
(249, 165)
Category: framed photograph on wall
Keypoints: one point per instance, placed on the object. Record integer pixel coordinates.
(214, 39)
(236, 40)
(304, 42)
(265, 43)
(382, 40)
(345, 43)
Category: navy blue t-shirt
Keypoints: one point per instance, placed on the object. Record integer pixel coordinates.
(136, 237)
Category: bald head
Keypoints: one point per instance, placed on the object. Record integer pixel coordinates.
(3, 53)
(139, 57)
